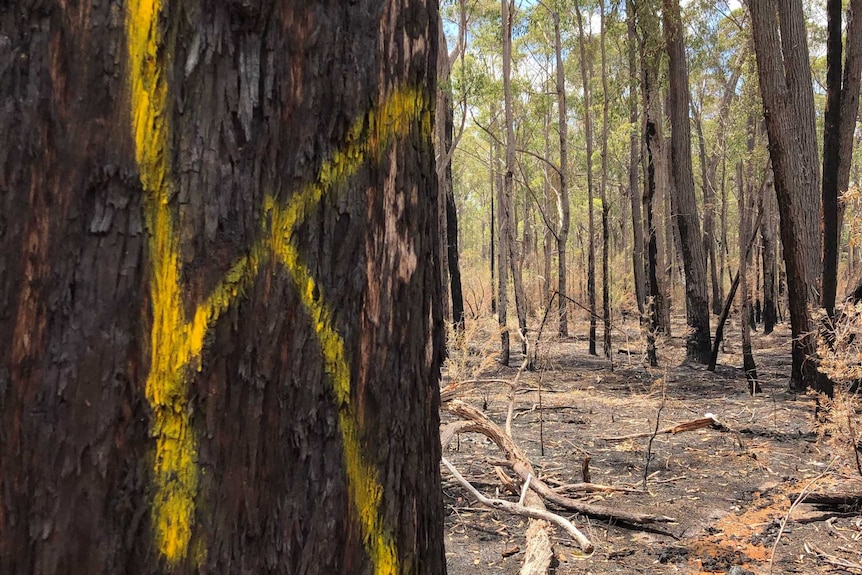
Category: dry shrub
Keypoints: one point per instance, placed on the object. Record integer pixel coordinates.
(471, 352)
(840, 351)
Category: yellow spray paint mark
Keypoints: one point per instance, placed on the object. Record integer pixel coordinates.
(177, 341)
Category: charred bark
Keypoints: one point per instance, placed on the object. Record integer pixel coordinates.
(784, 72)
(220, 292)
(684, 203)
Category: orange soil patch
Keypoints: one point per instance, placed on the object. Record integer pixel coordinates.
(735, 539)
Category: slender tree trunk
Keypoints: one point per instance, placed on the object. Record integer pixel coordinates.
(685, 207)
(708, 215)
(454, 258)
(444, 132)
(649, 82)
(709, 169)
(563, 197)
(442, 142)
(638, 263)
(785, 83)
(504, 196)
(588, 133)
(767, 236)
(723, 264)
(221, 329)
(744, 201)
(548, 240)
(655, 293)
(492, 163)
(842, 107)
(606, 276)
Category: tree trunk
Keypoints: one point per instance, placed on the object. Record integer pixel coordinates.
(842, 107)
(767, 236)
(504, 190)
(638, 263)
(493, 150)
(548, 240)
(454, 259)
(563, 198)
(443, 163)
(221, 289)
(606, 276)
(444, 131)
(709, 169)
(708, 215)
(588, 134)
(649, 83)
(744, 202)
(723, 264)
(684, 203)
(785, 84)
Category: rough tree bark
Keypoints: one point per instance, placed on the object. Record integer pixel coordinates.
(655, 301)
(784, 71)
(684, 204)
(219, 289)
(842, 108)
(588, 134)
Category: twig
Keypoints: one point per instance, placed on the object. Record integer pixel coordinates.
(648, 455)
(524, 490)
(835, 561)
(585, 544)
(513, 386)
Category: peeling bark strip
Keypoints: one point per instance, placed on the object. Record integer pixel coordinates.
(177, 340)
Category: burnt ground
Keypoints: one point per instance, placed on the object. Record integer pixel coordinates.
(728, 490)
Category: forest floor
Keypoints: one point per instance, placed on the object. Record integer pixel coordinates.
(729, 490)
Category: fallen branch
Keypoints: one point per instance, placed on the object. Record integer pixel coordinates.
(518, 509)
(477, 422)
(687, 426)
(454, 388)
(835, 499)
(589, 487)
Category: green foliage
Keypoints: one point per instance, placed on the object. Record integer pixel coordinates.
(718, 42)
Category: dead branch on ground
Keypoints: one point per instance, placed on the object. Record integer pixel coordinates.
(477, 422)
(520, 509)
(686, 426)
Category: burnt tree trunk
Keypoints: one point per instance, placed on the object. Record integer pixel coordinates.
(655, 302)
(563, 211)
(767, 237)
(606, 275)
(453, 303)
(220, 333)
(588, 135)
(784, 71)
(842, 106)
(492, 174)
(634, 154)
(745, 188)
(684, 203)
